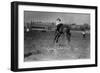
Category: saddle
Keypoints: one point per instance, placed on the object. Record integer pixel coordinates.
(60, 28)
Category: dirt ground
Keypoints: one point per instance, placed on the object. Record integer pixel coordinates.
(40, 46)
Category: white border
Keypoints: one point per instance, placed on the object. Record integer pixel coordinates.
(22, 64)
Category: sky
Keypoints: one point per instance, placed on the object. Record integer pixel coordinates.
(77, 18)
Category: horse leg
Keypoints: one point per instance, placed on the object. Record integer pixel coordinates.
(58, 37)
(55, 35)
(68, 37)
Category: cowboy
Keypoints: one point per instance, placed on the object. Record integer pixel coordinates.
(59, 29)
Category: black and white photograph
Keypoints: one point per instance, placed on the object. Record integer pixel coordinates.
(53, 36)
(56, 36)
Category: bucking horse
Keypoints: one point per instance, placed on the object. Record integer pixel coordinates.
(62, 29)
